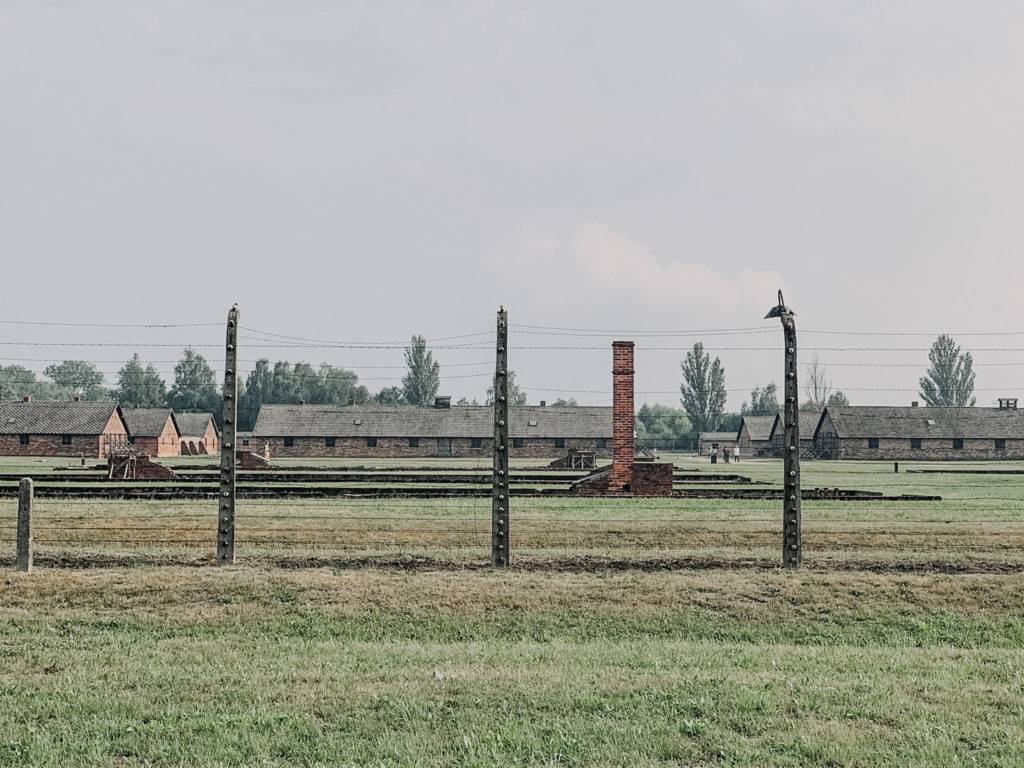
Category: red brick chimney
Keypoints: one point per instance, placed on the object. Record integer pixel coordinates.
(623, 418)
(28, 398)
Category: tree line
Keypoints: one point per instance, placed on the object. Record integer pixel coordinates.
(949, 381)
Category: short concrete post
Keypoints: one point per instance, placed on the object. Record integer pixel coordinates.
(23, 562)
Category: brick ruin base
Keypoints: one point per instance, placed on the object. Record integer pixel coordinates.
(649, 479)
(137, 468)
(250, 460)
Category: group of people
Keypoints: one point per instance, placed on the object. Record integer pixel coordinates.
(713, 454)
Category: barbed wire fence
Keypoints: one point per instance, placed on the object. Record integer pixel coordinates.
(977, 521)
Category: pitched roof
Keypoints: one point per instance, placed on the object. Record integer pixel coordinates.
(758, 427)
(416, 421)
(147, 422)
(808, 424)
(712, 437)
(908, 421)
(194, 424)
(49, 417)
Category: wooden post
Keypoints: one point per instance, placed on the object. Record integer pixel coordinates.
(500, 506)
(792, 540)
(23, 561)
(229, 428)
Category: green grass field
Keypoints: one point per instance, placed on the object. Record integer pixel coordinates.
(628, 632)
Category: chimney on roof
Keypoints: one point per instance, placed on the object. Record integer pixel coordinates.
(351, 401)
(302, 402)
(913, 403)
(1007, 403)
(443, 401)
(623, 418)
(28, 398)
(78, 399)
(543, 403)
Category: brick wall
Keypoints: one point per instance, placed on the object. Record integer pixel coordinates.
(167, 444)
(398, 447)
(932, 449)
(50, 445)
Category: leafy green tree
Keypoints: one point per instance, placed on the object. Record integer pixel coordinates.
(516, 396)
(194, 388)
(139, 387)
(389, 396)
(82, 379)
(949, 380)
(763, 401)
(703, 389)
(467, 401)
(259, 388)
(661, 423)
(563, 402)
(420, 384)
(837, 398)
(16, 382)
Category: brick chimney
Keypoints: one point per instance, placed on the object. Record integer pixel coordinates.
(78, 399)
(28, 398)
(623, 418)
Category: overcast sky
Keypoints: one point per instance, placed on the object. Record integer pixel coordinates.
(364, 171)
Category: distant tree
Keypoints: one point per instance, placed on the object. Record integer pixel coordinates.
(466, 401)
(421, 382)
(139, 387)
(563, 402)
(818, 391)
(16, 382)
(661, 423)
(336, 386)
(194, 388)
(730, 422)
(389, 396)
(837, 398)
(949, 380)
(82, 379)
(259, 388)
(763, 401)
(516, 396)
(703, 389)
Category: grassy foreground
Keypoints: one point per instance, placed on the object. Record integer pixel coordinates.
(255, 666)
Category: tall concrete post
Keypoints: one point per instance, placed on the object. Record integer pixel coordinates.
(500, 507)
(792, 538)
(229, 429)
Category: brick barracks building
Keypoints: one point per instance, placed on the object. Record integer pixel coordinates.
(153, 431)
(199, 433)
(921, 434)
(444, 430)
(48, 428)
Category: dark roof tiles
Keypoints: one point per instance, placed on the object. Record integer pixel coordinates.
(416, 421)
(910, 422)
(146, 422)
(194, 424)
(49, 417)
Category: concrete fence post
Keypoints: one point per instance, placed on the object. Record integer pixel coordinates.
(500, 507)
(229, 427)
(792, 539)
(26, 492)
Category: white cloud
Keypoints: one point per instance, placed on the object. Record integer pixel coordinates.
(598, 270)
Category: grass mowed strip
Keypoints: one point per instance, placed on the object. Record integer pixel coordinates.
(250, 666)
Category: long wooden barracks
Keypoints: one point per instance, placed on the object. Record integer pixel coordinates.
(443, 430)
(927, 434)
